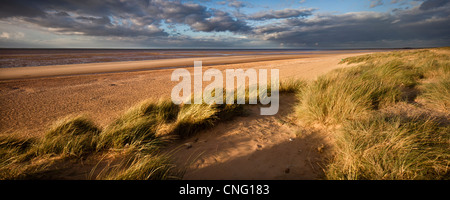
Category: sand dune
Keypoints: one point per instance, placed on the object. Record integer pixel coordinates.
(247, 147)
(254, 147)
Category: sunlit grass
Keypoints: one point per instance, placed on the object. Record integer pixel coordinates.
(370, 144)
(141, 131)
(391, 148)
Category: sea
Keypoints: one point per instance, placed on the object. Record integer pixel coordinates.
(15, 57)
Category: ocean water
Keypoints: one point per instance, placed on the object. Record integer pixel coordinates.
(42, 57)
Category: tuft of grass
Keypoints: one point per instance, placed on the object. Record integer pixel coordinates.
(70, 137)
(360, 59)
(327, 100)
(195, 117)
(344, 95)
(140, 166)
(383, 147)
(138, 125)
(405, 55)
(26, 158)
(13, 150)
(434, 65)
(292, 85)
(352, 93)
(437, 93)
(371, 145)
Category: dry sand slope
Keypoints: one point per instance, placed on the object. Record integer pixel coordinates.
(255, 147)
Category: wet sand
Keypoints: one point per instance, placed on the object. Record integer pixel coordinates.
(126, 66)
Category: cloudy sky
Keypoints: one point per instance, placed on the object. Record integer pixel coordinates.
(224, 23)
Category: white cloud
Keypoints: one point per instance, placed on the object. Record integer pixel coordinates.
(4, 35)
(20, 35)
(8, 35)
(375, 3)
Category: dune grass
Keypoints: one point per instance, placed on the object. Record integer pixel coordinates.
(194, 117)
(437, 93)
(13, 149)
(138, 125)
(352, 93)
(381, 79)
(391, 148)
(140, 132)
(143, 166)
(292, 85)
(75, 136)
(370, 144)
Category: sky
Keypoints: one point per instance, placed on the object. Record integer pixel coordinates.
(222, 24)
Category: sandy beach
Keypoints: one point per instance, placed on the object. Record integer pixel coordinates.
(247, 145)
(33, 98)
(176, 90)
(30, 104)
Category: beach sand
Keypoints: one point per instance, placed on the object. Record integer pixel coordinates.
(30, 105)
(236, 149)
(255, 147)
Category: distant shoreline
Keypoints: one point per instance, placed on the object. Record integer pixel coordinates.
(126, 66)
(10, 58)
(214, 49)
(111, 66)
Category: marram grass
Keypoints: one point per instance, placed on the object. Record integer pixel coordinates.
(391, 148)
(376, 146)
(142, 130)
(70, 137)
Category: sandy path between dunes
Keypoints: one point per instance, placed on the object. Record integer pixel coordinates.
(29, 106)
(255, 147)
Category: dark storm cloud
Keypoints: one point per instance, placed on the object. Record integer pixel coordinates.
(129, 18)
(145, 21)
(13, 8)
(199, 18)
(368, 28)
(281, 14)
(221, 21)
(430, 4)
